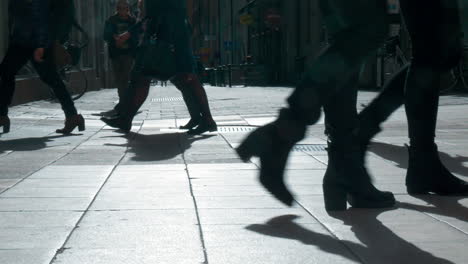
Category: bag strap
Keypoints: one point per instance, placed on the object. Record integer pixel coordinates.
(85, 34)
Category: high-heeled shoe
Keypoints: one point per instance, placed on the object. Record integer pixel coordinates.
(204, 126)
(5, 123)
(71, 123)
(426, 174)
(347, 180)
(119, 122)
(192, 123)
(272, 144)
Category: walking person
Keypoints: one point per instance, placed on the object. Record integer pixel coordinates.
(358, 28)
(122, 52)
(31, 39)
(435, 32)
(170, 17)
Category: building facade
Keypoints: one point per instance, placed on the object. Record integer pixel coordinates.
(279, 37)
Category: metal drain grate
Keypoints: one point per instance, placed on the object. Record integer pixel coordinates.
(167, 99)
(310, 147)
(235, 129)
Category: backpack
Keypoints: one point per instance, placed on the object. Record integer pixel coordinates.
(62, 21)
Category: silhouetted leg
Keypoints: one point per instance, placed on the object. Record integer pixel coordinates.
(15, 58)
(190, 100)
(388, 101)
(435, 33)
(49, 75)
(358, 29)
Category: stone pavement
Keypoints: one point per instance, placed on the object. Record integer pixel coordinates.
(159, 196)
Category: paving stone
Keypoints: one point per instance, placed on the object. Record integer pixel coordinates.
(33, 237)
(27, 256)
(138, 201)
(39, 219)
(125, 256)
(275, 241)
(138, 218)
(44, 204)
(184, 239)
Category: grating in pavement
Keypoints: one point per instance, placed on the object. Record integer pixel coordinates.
(167, 99)
(310, 147)
(235, 129)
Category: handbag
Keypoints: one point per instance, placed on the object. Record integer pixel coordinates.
(155, 58)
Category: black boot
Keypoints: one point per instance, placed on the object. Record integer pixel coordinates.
(5, 123)
(346, 179)
(120, 122)
(426, 174)
(192, 123)
(272, 144)
(203, 126)
(72, 122)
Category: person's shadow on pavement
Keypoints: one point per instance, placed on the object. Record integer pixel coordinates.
(30, 144)
(399, 155)
(158, 147)
(378, 244)
(439, 206)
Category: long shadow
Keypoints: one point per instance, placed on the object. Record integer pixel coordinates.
(399, 155)
(28, 144)
(158, 147)
(378, 244)
(441, 206)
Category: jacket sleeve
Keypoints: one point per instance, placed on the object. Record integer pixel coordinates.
(40, 16)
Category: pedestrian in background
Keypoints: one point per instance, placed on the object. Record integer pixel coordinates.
(121, 52)
(32, 39)
(170, 17)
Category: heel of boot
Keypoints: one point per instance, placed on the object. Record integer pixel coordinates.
(335, 198)
(81, 127)
(6, 128)
(244, 152)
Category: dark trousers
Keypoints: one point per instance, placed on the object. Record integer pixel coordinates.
(357, 28)
(122, 66)
(15, 58)
(436, 39)
(138, 90)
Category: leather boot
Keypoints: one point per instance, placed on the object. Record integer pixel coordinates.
(5, 123)
(203, 126)
(426, 174)
(71, 123)
(347, 180)
(272, 144)
(118, 121)
(192, 123)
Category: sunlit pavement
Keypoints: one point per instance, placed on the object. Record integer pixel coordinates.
(157, 195)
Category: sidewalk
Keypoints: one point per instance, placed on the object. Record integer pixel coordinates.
(159, 196)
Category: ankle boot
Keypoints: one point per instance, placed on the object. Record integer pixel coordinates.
(118, 121)
(347, 180)
(71, 123)
(5, 123)
(272, 144)
(204, 126)
(426, 174)
(192, 123)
